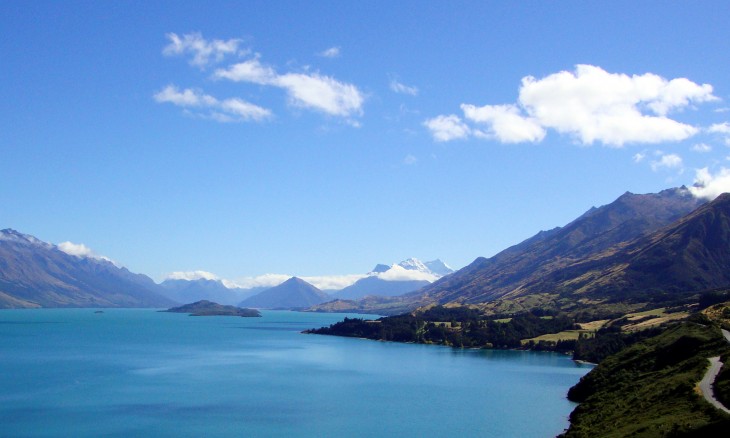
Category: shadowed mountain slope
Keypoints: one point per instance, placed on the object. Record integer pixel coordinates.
(34, 273)
(599, 229)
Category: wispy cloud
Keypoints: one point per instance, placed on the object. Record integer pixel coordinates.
(667, 161)
(202, 51)
(447, 128)
(332, 52)
(723, 129)
(400, 88)
(306, 90)
(227, 110)
(701, 148)
(191, 275)
(591, 105)
(719, 128)
(410, 160)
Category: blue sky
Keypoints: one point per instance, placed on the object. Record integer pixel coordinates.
(320, 138)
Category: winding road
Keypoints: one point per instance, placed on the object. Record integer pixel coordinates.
(709, 379)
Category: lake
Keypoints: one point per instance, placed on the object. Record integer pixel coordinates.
(138, 372)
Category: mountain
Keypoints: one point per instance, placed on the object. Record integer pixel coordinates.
(691, 254)
(436, 267)
(387, 281)
(34, 273)
(512, 270)
(188, 291)
(292, 294)
(374, 285)
(509, 273)
(439, 268)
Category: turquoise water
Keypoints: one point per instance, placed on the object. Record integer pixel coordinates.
(137, 372)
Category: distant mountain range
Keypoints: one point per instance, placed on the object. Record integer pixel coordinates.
(639, 248)
(189, 291)
(34, 273)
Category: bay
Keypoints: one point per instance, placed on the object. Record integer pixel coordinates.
(138, 372)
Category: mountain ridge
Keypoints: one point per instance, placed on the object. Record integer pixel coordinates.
(34, 273)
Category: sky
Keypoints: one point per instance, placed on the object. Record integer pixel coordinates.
(319, 138)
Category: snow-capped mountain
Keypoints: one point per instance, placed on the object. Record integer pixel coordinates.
(396, 279)
(439, 268)
(435, 267)
(413, 264)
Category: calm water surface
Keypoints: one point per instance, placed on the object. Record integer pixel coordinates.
(137, 372)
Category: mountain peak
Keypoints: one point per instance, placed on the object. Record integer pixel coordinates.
(293, 293)
(413, 264)
(380, 268)
(11, 235)
(439, 268)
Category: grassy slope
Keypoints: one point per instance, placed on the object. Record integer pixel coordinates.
(648, 389)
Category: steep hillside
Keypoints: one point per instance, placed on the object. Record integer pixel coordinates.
(691, 254)
(597, 230)
(648, 389)
(34, 273)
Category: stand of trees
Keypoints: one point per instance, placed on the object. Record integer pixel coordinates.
(458, 327)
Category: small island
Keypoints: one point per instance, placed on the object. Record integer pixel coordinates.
(209, 308)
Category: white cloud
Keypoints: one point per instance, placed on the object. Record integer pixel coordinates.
(203, 51)
(191, 275)
(307, 90)
(228, 110)
(333, 282)
(639, 157)
(593, 105)
(322, 93)
(410, 160)
(720, 128)
(332, 52)
(702, 148)
(723, 129)
(401, 88)
(184, 98)
(398, 273)
(75, 249)
(708, 186)
(447, 128)
(265, 280)
(667, 161)
(505, 123)
(82, 251)
(248, 71)
(244, 110)
(324, 282)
